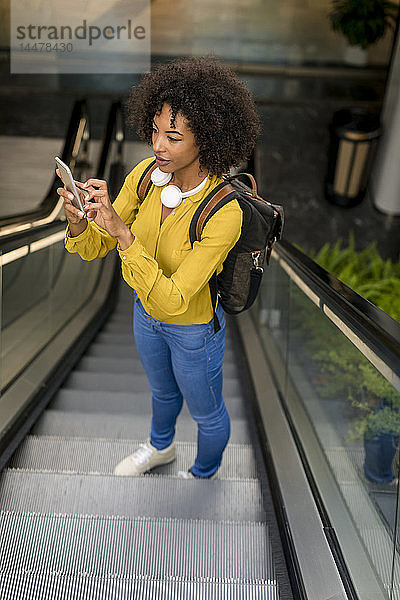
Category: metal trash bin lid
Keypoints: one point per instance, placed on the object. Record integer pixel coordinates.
(356, 124)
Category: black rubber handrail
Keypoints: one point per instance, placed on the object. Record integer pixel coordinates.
(372, 325)
(75, 134)
(114, 132)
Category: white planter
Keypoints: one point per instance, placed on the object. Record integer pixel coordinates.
(355, 55)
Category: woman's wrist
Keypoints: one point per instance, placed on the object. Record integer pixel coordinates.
(125, 239)
(76, 229)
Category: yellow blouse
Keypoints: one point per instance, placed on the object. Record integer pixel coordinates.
(169, 276)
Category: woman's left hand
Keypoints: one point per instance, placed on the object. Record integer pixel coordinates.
(99, 208)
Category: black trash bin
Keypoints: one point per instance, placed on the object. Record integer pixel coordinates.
(354, 134)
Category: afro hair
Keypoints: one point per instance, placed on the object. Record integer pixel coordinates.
(218, 108)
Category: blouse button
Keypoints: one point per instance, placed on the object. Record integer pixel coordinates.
(173, 213)
(124, 257)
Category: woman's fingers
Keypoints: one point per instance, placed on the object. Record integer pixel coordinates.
(65, 193)
(68, 196)
(93, 206)
(71, 212)
(99, 196)
(80, 185)
(98, 183)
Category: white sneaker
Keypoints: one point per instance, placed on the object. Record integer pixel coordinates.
(145, 458)
(189, 475)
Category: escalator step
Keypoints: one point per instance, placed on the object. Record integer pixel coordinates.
(80, 587)
(192, 558)
(120, 327)
(124, 402)
(110, 365)
(123, 325)
(122, 382)
(122, 426)
(107, 382)
(146, 496)
(128, 365)
(112, 339)
(99, 456)
(112, 350)
(125, 338)
(129, 351)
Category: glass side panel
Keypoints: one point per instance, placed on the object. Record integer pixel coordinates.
(41, 291)
(25, 309)
(72, 283)
(334, 391)
(272, 317)
(1, 319)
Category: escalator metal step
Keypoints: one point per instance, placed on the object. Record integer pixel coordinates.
(107, 382)
(112, 339)
(122, 426)
(112, 350)
(99, 456)
(107, 364)
(123, 382)
(119, 327)
(129, 351)
(80, 587)
(184, 558)
(125, 339)
(146, 496)
(128, 365)
(122, 314)
(124, 402)
(122, 324)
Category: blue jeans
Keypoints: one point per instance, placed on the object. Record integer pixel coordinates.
(185, 361)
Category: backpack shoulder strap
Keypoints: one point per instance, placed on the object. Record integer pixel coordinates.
(216, 199)
(145, 183)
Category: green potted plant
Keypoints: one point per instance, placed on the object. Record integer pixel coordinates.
(380, 427)
(346, 373)
(363, 23)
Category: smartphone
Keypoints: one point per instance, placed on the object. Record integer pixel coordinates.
(69, 183)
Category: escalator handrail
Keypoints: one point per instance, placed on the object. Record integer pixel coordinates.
(77, 124)
(379, 331)
(13, 241)
(114, 131)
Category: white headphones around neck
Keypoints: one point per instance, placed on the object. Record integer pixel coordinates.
(171, 196)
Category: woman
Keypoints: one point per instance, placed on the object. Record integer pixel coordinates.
(200, 120)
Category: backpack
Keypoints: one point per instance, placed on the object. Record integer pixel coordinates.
(237, 285)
